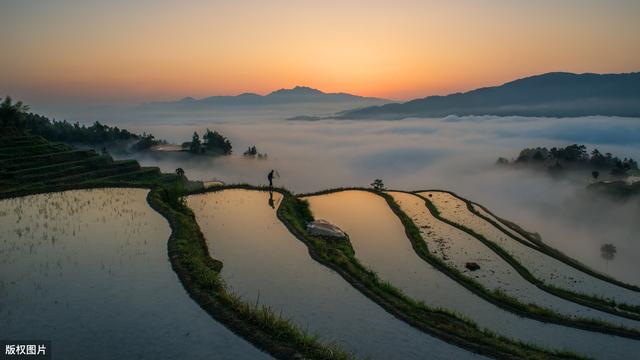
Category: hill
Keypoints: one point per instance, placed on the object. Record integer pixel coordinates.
(30, 162)
(296, 95)
(557, 94)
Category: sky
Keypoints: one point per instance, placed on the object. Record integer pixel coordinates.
(132, 51)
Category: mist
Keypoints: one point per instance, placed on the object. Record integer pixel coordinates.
(452, 153)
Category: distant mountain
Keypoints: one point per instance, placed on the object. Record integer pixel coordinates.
(558, 94)
(296, 95)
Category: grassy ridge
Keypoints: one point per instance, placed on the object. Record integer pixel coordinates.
(498, 298)
(548, 250)
(339, 255)
(33, 166)
(199, 274)
(594, 302)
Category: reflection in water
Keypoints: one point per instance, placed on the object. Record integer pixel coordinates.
(379, 242)
(265, 264)
(495, 273)
(542, 266)
(271, 203)
(88, 270)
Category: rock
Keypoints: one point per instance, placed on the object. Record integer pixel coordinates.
(472, 266)
(324, 228)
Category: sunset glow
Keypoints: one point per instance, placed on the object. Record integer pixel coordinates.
(81, 51)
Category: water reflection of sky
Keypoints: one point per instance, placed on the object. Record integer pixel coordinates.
(88, 270)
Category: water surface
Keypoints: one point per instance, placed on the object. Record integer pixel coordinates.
(457, 248)
(265, 264)
(380, 243)
(88, 270)
(546, 268)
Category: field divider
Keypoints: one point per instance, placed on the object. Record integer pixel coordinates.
(612, 307)
(340, 256)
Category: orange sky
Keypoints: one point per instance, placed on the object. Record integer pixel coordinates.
(156, 50)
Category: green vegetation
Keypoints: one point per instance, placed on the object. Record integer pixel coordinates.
(65, 169)
(498, 298)
(252, 152)
(377, 185)
(594, 302)
(212, 143)
(338, 254)
(200, 275)
(30, 162)
(15, 120)
(146, 142)
(608, 251)
(618, 190)
(12, 115)
(97, 133)
(573, 157)
(541, 246)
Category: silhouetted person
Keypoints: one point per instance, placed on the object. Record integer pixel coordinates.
(270, 177)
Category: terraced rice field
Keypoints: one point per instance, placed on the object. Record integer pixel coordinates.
(31, 161)
(482, 211)
(99, 257)
(88, 270)
(380, 243)
(267, 265)
(458, 248)
(543, 267)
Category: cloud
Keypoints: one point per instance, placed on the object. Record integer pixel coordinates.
(455, 153)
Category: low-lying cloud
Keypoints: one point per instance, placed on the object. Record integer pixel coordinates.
(454, 153)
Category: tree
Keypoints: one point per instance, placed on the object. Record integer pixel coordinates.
(251, 151)
(377, 185)
(12, 114)
(502, 161)
(537, 156)
(619, 169)
(180, 172)
(196, 145)
(608, 251)
(597, 159)
(96, 134)
(595, 175)
(216, 143)
(145, 143)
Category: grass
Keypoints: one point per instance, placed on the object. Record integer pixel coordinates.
(199, 274)
(497, 297)
(45, 164)
(555, 253)
(339, 255)
(595, 302)
(188, 252)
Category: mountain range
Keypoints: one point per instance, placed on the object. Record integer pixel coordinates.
(557, 94)
(296, 95)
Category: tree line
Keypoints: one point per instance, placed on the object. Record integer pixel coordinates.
(573, 156)
(15, 115)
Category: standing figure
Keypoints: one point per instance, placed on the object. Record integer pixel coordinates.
(270, 177)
